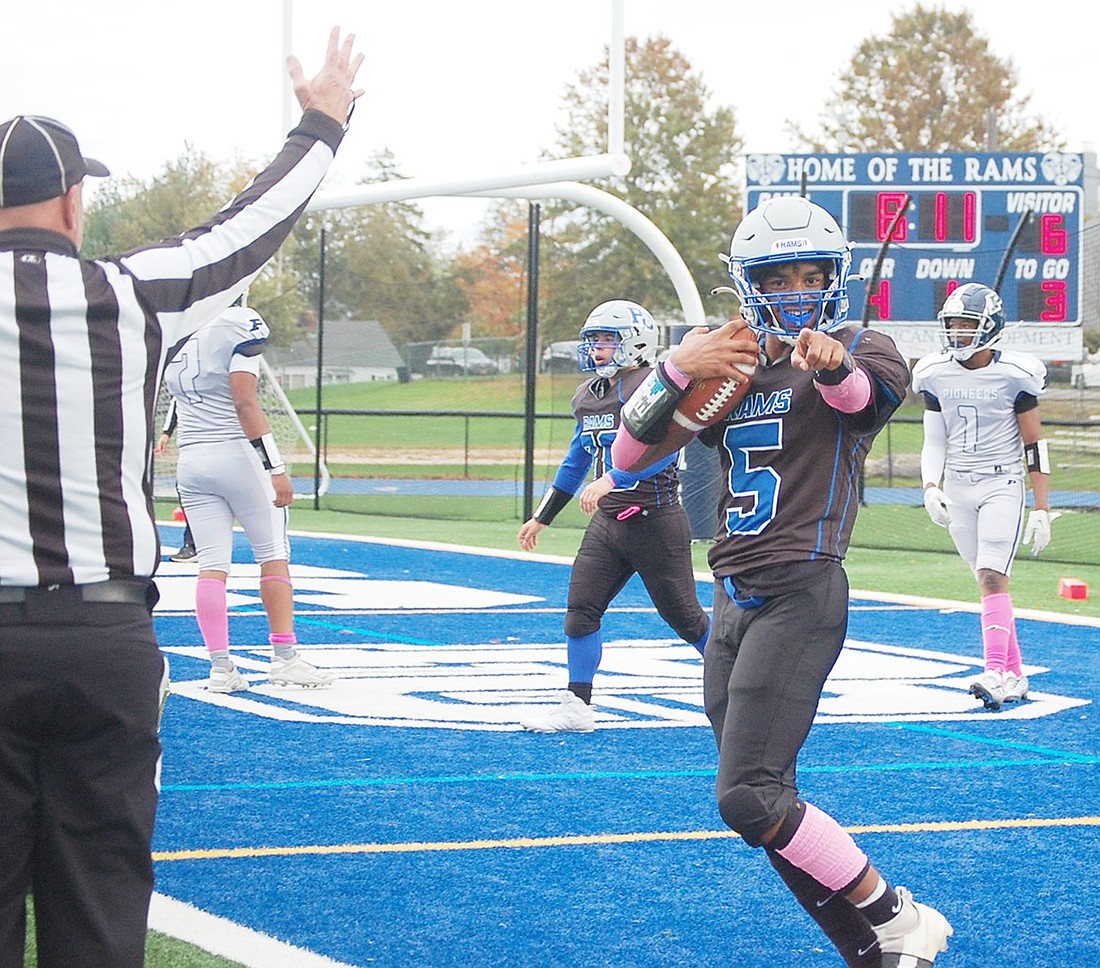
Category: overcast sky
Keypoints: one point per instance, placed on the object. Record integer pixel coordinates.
(466, 86)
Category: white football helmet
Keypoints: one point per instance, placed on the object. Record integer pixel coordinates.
(789, 228)
(635, 329)
(971, 301)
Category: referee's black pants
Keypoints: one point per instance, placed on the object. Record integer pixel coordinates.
(80, 695)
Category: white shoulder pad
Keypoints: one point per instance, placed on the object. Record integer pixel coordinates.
(923, 368)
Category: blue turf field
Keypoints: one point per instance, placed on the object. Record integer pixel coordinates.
(401, 819)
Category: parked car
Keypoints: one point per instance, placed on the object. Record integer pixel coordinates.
(561, 357)
(1059, 371)
(459, 361)
(1086, 374)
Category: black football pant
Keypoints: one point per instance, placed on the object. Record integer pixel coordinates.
(655, 545)
(763, 673)
(80, 695)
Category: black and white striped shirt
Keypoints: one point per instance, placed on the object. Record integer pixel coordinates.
(83, 344)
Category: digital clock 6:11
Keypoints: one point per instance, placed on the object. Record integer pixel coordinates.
(931, 217)
(936, 241)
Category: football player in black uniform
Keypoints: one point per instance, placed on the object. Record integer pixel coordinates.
(791, 453)
(638, 523)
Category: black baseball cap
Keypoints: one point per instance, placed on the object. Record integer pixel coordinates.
(40, 159)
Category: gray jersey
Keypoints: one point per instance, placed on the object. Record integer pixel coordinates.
(980, 406)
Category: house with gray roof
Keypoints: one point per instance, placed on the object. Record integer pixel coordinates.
(354, 351)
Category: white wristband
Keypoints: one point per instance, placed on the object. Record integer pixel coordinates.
(269, 454)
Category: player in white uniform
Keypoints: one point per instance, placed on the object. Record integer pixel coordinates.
(230, 467)
(981, 429)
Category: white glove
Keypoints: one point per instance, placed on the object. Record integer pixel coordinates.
(1037, 532)
(936, 504)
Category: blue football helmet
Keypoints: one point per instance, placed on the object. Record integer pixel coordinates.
(636, 334)
(789, 228)
(971, 301)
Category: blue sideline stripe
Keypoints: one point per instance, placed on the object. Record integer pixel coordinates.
(633, 775)
(1007, 744)
(339, 627)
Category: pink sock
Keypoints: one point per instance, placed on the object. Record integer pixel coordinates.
(824, 850)
(996, 630)
(1015, 663)
(212, 614)
(282, 638)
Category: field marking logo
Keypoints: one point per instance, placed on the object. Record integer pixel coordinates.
(493, 686)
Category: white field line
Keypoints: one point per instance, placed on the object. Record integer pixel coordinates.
(228, 939)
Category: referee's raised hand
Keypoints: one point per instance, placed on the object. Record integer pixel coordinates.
(330, 91)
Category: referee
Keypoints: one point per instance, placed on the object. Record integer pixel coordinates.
(83, 344)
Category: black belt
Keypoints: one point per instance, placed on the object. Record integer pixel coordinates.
(117, 590)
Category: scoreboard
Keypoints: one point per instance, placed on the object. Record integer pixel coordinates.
(922, 224)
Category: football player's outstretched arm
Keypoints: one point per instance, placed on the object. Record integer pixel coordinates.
(571, 472)
(842, 385)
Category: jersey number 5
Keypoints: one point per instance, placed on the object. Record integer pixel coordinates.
(754, 486)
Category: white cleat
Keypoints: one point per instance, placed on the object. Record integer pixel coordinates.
(989, 687)
(571, 715)
(1015, 687)
(297, 672)
(917, 947)
(226, 680)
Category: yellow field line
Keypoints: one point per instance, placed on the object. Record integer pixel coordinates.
(942, 826)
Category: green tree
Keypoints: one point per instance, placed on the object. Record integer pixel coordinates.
(381, 263)
(127, 212)
(682, 178)
(931, 84)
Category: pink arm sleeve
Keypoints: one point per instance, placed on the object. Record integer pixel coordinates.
(851, 395)
(675, 374)
(626, 450)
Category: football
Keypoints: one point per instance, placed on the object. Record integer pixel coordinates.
(704, 403)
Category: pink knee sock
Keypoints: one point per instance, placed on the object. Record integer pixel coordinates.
(825, 850)
(1015, 663)
(997, 625)
(212, 614)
